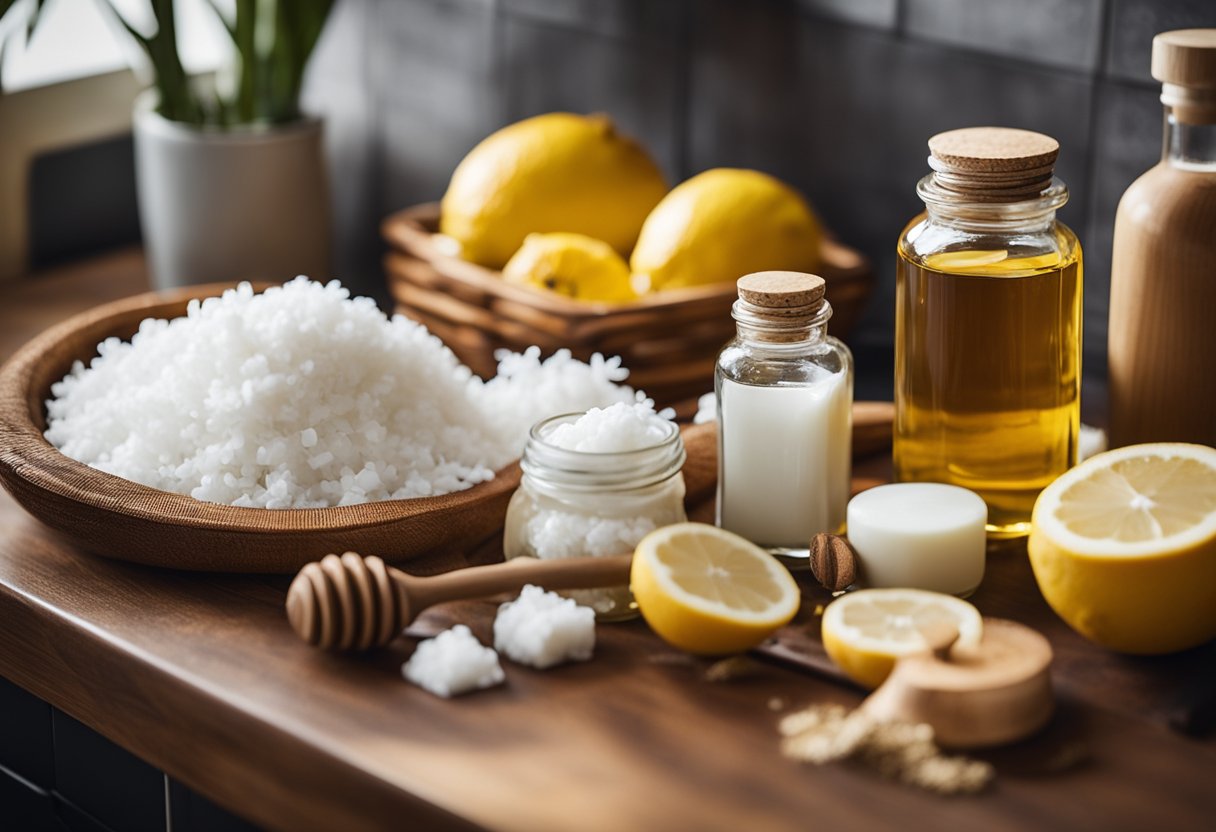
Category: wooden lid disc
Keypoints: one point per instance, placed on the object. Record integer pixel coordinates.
(1008, 655)
(993, 149)
(997, 692)
(1186, 57)
(781, 290)
(1185, 62)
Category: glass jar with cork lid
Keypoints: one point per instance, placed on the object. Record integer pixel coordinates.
(988, 324)
(784, 393)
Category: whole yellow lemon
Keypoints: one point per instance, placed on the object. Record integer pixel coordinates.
(722, 224)
(573, 265)
(555, 172)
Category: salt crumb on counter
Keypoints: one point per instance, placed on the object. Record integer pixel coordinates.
(452, 663)
(543, 629)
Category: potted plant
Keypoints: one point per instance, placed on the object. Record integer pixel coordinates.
(229, 171)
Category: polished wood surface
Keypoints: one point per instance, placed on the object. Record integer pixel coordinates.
(201, 675)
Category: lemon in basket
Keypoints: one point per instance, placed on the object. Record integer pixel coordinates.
(1124, 547)
(573, 265)
(722, 224)
(555, 172)
(709, 591)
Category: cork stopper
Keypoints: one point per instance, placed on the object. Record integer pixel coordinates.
(780, 305)
(993, 164)
(1185, 62)
(781, 290)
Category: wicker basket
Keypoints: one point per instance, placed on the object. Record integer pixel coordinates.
(669, 340)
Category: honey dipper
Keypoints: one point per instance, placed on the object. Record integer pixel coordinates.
(356, 603)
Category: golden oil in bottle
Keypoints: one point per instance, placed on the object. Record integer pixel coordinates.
(988, 325)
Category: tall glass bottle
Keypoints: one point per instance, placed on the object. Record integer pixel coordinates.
(785, 396)
(988, 324)
(1162, 339)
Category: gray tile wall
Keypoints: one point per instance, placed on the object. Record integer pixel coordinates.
(836, 96)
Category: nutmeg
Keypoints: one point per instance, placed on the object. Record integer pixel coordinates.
(833, 561)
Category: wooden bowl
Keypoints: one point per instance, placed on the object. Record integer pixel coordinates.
(117, 518)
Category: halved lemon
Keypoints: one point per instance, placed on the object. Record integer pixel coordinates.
(1124, 547)
(709, 591)
(865, 632)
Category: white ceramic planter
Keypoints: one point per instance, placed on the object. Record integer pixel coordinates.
(245, 204)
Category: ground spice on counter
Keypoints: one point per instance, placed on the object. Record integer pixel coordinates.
(900, 751)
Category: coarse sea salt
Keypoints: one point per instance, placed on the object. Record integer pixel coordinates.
(618, 428)
(302, 397)
(543, 629)
(452, 663)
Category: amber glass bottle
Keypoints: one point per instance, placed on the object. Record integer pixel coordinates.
(988, 324)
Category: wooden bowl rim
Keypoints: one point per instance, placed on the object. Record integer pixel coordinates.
(25, 453)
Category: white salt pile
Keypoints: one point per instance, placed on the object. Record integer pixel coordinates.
(618, 428)
(452, 663)
(543, 629)
(302, 397)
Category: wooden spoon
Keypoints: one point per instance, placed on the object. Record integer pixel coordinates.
(996, 693)
(356, 603)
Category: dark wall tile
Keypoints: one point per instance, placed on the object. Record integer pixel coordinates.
(1133, 24)
(879, 14)
(618, 18)
(74, 819)
(191, 812)
(434, 73)
(638, 82)
(1127, 142)
(24, 808)
(105, 781)
(844, 114)
(25, 735)
(1058, 33)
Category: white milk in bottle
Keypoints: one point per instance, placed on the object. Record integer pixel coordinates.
(785, 393)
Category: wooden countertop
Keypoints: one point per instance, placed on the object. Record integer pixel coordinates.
(200, 675)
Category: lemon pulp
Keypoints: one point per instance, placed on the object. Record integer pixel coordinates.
(709, 591)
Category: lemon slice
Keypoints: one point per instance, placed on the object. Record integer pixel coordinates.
(1124, 547)
(864, 632)
(709, 591)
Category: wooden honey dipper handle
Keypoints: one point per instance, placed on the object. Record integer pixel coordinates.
(355, 603)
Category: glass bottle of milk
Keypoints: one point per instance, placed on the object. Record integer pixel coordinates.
(785, 395)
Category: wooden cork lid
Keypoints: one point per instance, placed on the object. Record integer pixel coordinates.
(781, 290)
(993, 164)
(1185, 62)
